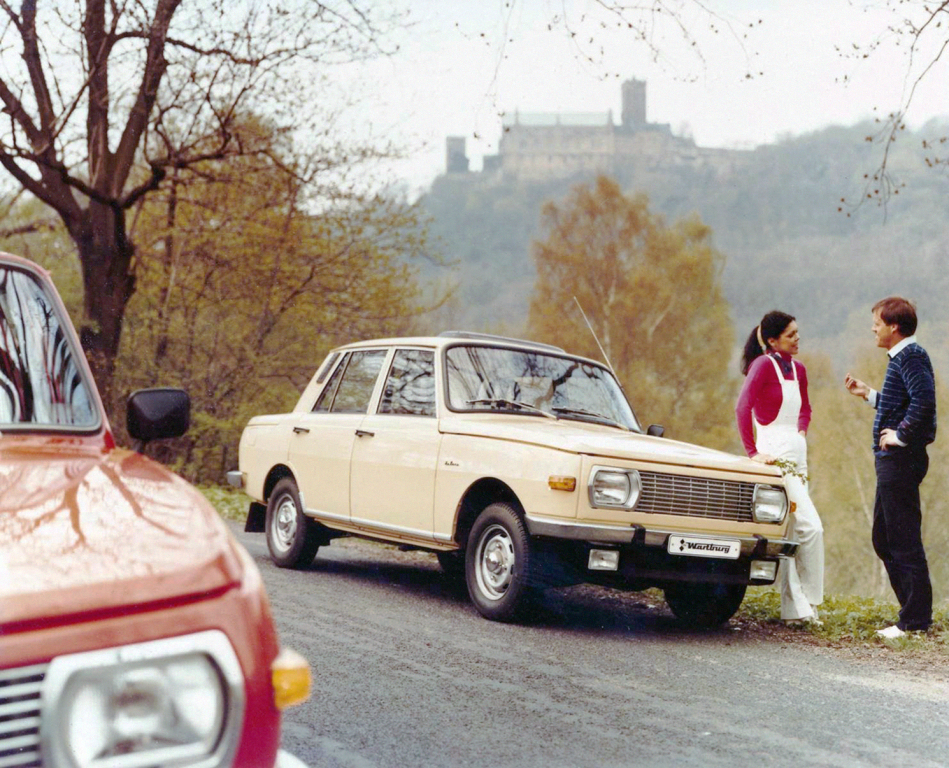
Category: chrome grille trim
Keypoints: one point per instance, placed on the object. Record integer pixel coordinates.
(20, 716)
(666, 494)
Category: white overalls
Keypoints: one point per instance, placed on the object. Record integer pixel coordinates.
(801, 578)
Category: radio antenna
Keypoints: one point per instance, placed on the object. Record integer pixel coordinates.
(602, 351)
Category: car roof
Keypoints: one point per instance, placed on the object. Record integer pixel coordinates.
(449, 338)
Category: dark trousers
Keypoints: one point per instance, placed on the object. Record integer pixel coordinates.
(897, 533)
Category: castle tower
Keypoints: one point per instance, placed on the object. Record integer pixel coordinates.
(456, 159)
(634, 103)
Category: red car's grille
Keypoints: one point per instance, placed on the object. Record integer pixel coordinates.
(20, 716)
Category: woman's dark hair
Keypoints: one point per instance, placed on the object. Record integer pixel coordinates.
(771, 326)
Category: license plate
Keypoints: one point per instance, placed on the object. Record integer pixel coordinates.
(696, 546)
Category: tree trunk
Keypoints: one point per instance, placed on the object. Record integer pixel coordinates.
(105, 253)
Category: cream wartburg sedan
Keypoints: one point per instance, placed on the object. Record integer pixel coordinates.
(518, 465)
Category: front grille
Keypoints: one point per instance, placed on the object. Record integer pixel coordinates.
(20, 716)
(664, 494)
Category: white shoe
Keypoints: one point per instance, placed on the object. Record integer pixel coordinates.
(891, 633)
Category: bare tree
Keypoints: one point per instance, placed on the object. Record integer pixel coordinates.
(919, 27)
(107, 98)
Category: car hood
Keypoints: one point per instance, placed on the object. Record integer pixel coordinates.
(86, 531)
(597, 440)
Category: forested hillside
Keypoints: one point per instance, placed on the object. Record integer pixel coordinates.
(786, 243)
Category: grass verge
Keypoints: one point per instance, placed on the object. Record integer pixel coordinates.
(230, 503)
(848, 619)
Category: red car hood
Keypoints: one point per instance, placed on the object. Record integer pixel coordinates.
(90, 531)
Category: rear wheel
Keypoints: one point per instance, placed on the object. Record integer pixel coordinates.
(703, 604)
(498, 563)
(292, 538)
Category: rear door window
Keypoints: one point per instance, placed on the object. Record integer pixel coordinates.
(350, 388)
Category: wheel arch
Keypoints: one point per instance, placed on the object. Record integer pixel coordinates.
(277, 473)
(479, 495)
(257, 513)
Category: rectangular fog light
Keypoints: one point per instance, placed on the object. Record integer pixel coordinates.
(603, 560)
(766, 570)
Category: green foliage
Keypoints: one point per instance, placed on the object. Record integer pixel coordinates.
(31, 231)
(848, 619)
(230, 503)
(242, 290)
(652, 293)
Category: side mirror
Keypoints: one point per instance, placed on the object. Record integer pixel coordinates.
(153, 414)
(656, 430)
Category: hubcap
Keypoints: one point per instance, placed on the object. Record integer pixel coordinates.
(495, 563)
(284, 526)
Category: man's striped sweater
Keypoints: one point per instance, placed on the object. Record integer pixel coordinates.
(907, 402)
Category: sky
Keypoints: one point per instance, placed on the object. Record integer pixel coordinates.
(750, 72)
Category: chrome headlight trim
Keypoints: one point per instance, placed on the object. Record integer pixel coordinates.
(613, 487)
(769, 504)
(211, 646)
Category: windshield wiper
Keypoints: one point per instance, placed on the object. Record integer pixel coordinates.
(500, 401)
(592, 416)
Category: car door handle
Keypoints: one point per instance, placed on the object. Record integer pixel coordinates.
(364, 433)
(301, 430)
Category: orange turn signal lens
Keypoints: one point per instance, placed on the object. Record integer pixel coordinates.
(562, 483)
(290, 674)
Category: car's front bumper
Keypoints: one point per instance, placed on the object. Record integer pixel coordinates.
(599, 533)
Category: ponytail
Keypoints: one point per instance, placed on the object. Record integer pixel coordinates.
(771, 326)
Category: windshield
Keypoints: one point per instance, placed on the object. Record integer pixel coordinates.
(496, 379)
(40, 383)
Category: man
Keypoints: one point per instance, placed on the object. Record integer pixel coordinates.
(905, 424)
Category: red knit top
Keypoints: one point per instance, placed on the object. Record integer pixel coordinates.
(761, 396)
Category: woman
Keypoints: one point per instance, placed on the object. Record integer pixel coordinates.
(773, 414)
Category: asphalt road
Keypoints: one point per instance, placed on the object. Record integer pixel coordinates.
(406, 673)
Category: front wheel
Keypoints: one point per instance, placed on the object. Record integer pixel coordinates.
(498, 563)
(292, 538)
(703, 604)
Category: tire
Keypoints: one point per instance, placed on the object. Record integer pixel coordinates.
(452, 563)
(498, 564)
(700, 604)
(292, 538)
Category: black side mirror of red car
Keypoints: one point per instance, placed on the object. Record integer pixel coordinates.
(656, 430)
(153, 414)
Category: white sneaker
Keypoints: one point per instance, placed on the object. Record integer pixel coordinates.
(891, 633)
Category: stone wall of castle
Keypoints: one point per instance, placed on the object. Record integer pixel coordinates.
(542, 147)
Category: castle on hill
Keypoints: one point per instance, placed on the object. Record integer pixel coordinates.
(540, 147)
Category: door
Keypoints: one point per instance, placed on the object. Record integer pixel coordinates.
(394, 457)
(322, 442)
